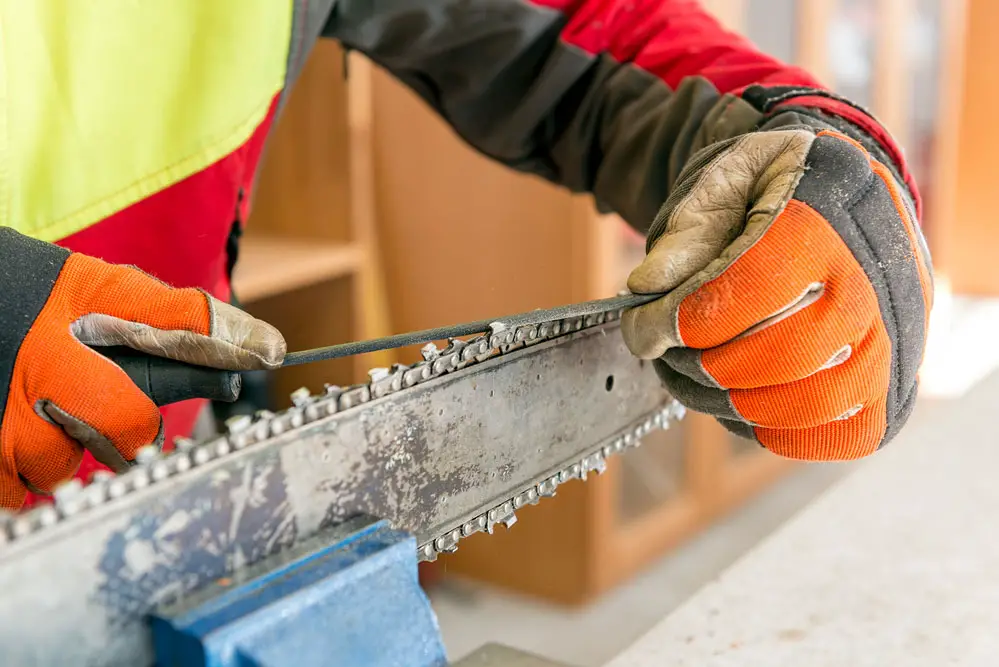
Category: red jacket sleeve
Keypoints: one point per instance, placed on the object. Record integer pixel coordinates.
(610, 97)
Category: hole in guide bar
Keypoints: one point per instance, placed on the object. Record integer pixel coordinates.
(609, 384)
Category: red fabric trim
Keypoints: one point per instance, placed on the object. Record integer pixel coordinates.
(179, 235)
(674, 39)
(871, 127)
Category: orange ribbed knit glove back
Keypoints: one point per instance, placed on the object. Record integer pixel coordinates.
(62, 396)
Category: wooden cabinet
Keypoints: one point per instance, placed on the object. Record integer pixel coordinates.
(963, 234)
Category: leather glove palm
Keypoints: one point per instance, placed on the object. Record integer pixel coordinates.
(798, 293)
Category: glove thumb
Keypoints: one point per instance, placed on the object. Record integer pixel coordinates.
(721, 200)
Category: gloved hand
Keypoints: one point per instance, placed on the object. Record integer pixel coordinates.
(60, 396)
(798, 293)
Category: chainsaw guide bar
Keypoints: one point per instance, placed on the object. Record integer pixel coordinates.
(447, 447)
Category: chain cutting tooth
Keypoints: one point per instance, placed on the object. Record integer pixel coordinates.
(430, 352)
(594, 463)
(377, 374)
(183, 444)
(502, 514)
(301, 397)
(101, 476)
(146, 455)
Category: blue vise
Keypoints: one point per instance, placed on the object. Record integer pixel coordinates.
(349, 597)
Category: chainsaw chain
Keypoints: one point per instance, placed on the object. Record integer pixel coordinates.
(152, 466)
(595, 461)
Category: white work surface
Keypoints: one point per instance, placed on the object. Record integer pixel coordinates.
(896, 565)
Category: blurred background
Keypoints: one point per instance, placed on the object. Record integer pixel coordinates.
(372, 218)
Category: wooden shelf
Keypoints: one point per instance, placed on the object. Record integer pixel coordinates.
(271, 265)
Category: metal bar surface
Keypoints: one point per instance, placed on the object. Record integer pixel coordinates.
(428, 459)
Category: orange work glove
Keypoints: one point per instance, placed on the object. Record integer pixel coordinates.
(61, 396)
(798, 291)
